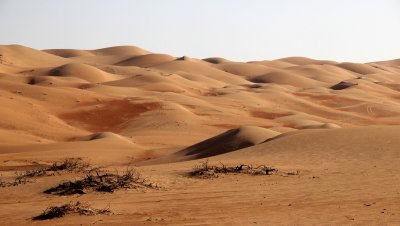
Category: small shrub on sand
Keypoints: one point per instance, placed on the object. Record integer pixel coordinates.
(19, 179)
(3, 183)
(205, 170)
(69, 164)
(102, 181)
(70, 208)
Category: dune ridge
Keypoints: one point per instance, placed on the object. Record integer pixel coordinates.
(217, 92)
(214, 92)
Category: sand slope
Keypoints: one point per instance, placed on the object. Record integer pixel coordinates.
(25, 57)
(231, 140)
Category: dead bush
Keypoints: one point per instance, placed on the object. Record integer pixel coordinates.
(19, 179)
(205, 170)
(70, 208)
(3, 183)
(102, 181)
(69, 164)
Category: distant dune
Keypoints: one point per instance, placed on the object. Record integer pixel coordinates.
(330, 128)
(217, 93)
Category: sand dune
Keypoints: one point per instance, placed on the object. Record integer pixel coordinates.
(57, 81)
(104, 56)
(305, 61)
(104, 135)
(216, 60)
(25, 57)
(359, 68)
(67, 53)
(274, 63)
(231, 140)
(331, 129)
(147, 60)
(343, 85)
(323, 73)
(340, 144)
(194, 67)
(244, 69)
(395, 62)
(286, 78)
(121, 50)
(83, 71)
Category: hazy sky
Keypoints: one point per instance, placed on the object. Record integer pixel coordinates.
(343, 30)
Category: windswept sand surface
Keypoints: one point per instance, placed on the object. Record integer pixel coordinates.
(330, 128)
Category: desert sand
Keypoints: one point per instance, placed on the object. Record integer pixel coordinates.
(331, 129)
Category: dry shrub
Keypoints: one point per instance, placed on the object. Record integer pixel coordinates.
(69, 164)
(70, 208)
(20, 178)
(3, 183)
(205, 170)
(102, 181)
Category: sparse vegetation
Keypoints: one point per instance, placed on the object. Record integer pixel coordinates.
(3, 183)
(102, 181)
(71, 208)
(205, 170)
(20, 178)
(292, 173)
(69, 164)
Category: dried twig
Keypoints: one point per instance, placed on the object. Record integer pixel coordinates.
(70, 208)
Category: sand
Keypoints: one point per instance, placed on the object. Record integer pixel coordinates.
(330, 128)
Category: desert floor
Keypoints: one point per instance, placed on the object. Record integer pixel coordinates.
(330, 129)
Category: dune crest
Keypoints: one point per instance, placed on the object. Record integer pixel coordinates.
(231, 140)
(83, 71)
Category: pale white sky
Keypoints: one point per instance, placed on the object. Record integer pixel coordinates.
(342, 30)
